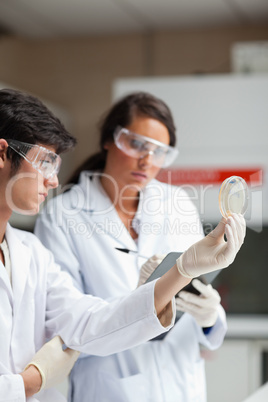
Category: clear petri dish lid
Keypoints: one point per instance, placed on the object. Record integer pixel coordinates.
(233, 196)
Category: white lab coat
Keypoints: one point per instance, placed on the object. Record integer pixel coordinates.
(84, 224)
(43, 302)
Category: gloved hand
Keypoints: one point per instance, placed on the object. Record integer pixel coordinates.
(203, 307)
(53, 363)
(149, 266)
(213, 252)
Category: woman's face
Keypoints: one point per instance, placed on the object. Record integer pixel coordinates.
(130, 172)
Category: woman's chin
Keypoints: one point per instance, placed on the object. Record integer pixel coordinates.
(27, 211)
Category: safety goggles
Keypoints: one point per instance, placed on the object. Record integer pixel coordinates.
(137, 146)
(44, 161)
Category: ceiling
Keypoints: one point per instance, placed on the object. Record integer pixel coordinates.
(65, 18)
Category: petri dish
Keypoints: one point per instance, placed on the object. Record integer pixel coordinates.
(233, 196)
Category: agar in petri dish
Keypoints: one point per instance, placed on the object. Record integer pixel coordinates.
(233, 196)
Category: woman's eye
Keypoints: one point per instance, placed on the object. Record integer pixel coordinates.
(160, 152)
(136, 144)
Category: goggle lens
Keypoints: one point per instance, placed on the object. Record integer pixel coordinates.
(44, 161)
(138, 146)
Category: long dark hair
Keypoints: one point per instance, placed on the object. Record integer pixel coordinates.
(122, 114)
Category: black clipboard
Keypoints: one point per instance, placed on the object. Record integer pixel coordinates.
(165, 266)
(168, 263)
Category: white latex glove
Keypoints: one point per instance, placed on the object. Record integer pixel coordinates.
(149, 266)
(213, 252)
(203, 307)
(53, 363)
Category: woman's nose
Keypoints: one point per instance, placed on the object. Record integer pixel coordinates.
(147, 159)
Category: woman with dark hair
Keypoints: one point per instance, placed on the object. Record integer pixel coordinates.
(109, 223)
(121, 115)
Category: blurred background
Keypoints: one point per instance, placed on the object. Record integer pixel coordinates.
(209, 61)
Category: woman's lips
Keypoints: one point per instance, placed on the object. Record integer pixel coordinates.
(139, 176)
(44, 195)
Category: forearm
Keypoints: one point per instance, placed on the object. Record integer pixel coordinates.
(167, 287)
(92, 326)
(32, 380)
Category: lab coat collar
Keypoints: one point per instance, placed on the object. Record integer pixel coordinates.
(151, 206)
(101, 211)
(23, 312)
(150, 216)
(148, 204)
(89, 194)
(4, 278)
(92, 198)
(20, 256)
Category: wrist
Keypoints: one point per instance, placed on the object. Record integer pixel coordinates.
(32, 380)
(181, 269)
(166, 315)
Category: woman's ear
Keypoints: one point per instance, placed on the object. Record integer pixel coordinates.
(3, 151)
(107, 145)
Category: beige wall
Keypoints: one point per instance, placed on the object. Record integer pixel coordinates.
(77, 74)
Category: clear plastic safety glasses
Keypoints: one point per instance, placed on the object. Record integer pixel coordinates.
(44, 161)
(137, 146)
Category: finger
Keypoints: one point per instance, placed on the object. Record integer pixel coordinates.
(208, 293)
(152, 263)
(204, 303)
(230, 250)
(189, 297)
(244, 225)
(242, 228)
(186, 307)
(195, 301)
(219, 229)
(232, 222)
(181, 305)
(239, 230)
(205, 290)
(158, 258)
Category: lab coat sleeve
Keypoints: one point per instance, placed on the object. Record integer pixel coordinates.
(12, 388)
(63, 250)
(93, 326)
